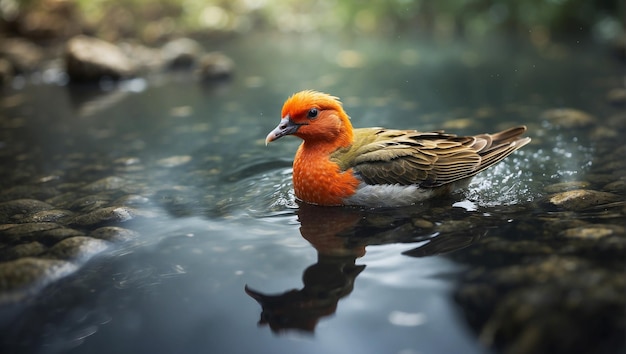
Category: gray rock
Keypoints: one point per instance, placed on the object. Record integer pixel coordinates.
(23, 55)
(106, 184)
(565, 186)
(91, 59)
(26, 276)
(114, 234)
(215, 66)
(20, 233)
(181, 53)
(90, 203)
(30, 249)
(21, 206)
(593, 232)
(6, 72)
(77, 249)
(54, 215)
(568, 117)
(580, 199)
(115, 214)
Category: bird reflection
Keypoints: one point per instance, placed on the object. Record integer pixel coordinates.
(340, 236)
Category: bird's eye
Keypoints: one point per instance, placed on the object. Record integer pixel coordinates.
(312, 113)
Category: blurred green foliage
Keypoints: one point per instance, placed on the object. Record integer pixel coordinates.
(155, 18)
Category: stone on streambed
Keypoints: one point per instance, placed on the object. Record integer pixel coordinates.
(26, 276)
(20, 233)
(21, 207)
(568, 117)
(30, 249)
(593, 232)
(78, 248)
(565, 186)
(114, 234)
(114, 214)
(580, 199)
(91, 59)
(54, 215)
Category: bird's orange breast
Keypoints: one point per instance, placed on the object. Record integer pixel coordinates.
(318, 180)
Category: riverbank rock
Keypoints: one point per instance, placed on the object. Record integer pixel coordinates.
(92, 59)
(580, 199)
(24, 56)
(215, 66)
(181, 53)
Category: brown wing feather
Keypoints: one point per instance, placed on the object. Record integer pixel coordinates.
(431, 159)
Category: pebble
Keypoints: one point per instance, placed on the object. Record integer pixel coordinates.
(580, 199)
(26, 276)
(114, 234)
(54, 215)
(78, 248)
(593, 232)
(174, 161)
(30, 249)
(106, 184)
(617, 96)
(21, 206)
(113, 214)
(19, 232)
(215, 66)
(568, 117)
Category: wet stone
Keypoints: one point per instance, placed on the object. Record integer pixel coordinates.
(91, 59)
(90, 202)
(54, 215)
(106, 215)
(422, 223)
(593, 232)
(617, 186)
(566, 186)
(106, 184)
(26, 276)
(617, 96)
(77, 249)
(22, 206)
(580, 199)
(215, 66)
(36, 192)
(181, 53)
(53, 236)
(174, 161)
(568, 117)
(22, 232)
(30, 249)
(114, 234)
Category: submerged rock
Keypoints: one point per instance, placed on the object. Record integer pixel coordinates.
(580, 199)
(105, 215)
(21, 206)
(26, 276)
(114, 234)
(568, 117)
(91, 59)
(77, 249)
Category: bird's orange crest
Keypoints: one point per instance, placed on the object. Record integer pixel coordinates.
(298, 105)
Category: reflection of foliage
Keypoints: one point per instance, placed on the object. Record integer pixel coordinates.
(473, 17)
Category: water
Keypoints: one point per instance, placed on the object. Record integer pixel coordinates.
(219, 214)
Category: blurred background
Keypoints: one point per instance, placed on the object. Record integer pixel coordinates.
(154, 21)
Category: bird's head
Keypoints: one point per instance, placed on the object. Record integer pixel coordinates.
(313, 116)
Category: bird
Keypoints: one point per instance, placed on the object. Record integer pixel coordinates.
(338, 165)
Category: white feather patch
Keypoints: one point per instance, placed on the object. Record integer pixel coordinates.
(388, 195)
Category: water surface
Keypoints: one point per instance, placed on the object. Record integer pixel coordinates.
(218, 215)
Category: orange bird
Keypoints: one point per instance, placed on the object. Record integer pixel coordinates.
(378, 167)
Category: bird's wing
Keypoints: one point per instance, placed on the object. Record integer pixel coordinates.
(383, 156)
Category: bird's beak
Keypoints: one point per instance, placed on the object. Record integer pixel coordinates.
(285, 127)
